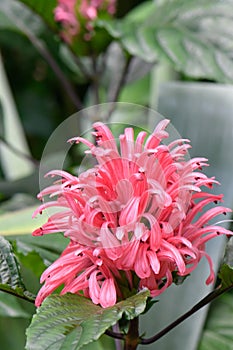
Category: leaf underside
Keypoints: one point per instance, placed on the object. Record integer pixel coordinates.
(10, 278)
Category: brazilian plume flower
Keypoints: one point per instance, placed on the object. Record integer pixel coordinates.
(76, 16)
(137, 219)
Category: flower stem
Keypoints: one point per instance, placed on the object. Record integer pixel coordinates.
(95, 79)
(122, 80)
(206, 300)
(132, 338)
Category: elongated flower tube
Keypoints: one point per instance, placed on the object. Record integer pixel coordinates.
(138, 218)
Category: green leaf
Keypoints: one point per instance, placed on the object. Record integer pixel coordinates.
(114, 28)
(10, 307)
(226, 270)
(9, 269)
(141, 12)
(103, 343)
(218, 330)
(183, 33)
(71, 321)
(13, 13)
(32, 261)
(5, 22)
(226, 276)
(36, 253)
(133, 92)
(20, 222)
(43, 8)
(14, 166)
(10, 278)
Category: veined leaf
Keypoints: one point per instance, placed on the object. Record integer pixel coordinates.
(71, 321)
(181, 32)
(10, 278)
(9, 269)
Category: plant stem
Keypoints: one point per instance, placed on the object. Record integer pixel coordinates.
(30, 298)
(132, 337)
(206, 300)
(115, 335)
(46, 54)
(18, 152)
(95, 79)
(81, 66)
(68, 87)
(118, 342)
(122, 81)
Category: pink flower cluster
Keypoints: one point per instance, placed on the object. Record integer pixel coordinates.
(72, 14)
(131, 219)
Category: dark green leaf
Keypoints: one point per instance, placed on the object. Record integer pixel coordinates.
(33, 261)
(218, 331)
(9, 268)
(103, 343)
(150, 303)
(10, 307)
(71, 321)
(12, 333)
(36, 253)
(226, 276)
(49, 247)
(5, 23)
(16, 16)
(44, 8)
(226, 270)
(112, 27)
(10, 278)
(228, 256)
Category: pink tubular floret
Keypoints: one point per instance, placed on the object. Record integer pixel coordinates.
(140, 212)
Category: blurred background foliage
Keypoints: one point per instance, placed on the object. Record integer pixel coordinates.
(43, 81)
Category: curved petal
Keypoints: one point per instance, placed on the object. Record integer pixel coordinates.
(108, 295)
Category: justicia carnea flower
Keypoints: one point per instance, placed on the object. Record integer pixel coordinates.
(77, 15)
(137, 218)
